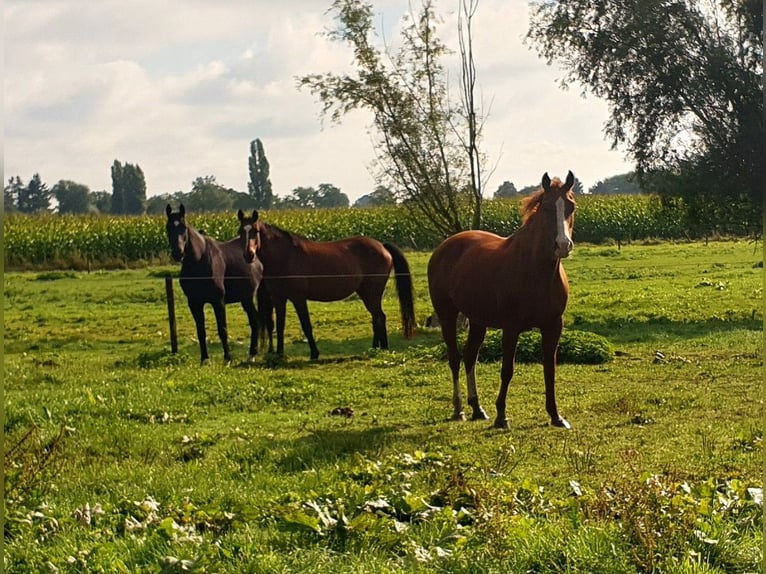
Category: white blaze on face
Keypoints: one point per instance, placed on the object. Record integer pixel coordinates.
(563, 240)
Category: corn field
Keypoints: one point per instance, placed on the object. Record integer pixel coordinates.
(72, 241)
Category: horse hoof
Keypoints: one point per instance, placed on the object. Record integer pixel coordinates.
(501, 424)
(251, 359)
(479, 415)
(459, 416)
(561, 423)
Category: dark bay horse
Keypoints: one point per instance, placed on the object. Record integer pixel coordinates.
(302, 270)
(514, 283)
(214, 272)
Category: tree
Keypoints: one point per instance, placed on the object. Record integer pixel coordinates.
(128, 189)
(684, 84)
(330, 196)
(72, 197)
(208, 195)
(380, 197)
(134, 189)
(102, 200)
(427, 148)
(259, 185)
(11, 194)
(35, 197)
(506, 189)
(622, 184)
(117, 204)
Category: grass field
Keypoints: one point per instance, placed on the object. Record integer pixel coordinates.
(122, 457)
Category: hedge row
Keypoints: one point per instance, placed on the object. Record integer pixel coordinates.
(68, 240)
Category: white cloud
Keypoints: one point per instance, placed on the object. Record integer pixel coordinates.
(181, 87)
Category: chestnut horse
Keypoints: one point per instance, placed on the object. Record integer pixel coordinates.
(214, 272)
(302, 270)
(514, 283)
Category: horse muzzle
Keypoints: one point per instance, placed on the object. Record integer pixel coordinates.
(563, 248)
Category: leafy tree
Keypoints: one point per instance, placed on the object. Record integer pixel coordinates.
(102, 200)
(506, 189)
(380, 197)
(134, 189)
(428, 148)
(259, 185)
(621, 184)
(128, 189)
(300, 198)
(35, 197)
(72, 197)
(208, 195)
(684, 84)
(330, 196)
(117, 205)
(11, 194)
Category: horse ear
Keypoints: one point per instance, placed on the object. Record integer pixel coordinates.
(546, 182)
(240, 215)
(255, 215)
(168, 210)
(569, 182)
(182, 210)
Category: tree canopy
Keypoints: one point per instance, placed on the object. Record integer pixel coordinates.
(427, 147)
(684, 85)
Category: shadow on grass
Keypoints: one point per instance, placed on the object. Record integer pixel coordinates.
(636, 330)
(324, 447)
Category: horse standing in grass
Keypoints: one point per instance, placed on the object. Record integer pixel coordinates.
(214, 272)
(514, 283)
(302, 270)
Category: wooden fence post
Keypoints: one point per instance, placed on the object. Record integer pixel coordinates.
(171, 313)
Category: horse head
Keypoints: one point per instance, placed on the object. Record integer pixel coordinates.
(557, 200)
(249, 234)
(178, 233)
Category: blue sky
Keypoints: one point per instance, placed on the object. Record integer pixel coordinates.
(181, 87)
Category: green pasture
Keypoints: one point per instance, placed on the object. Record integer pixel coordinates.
(122, 457)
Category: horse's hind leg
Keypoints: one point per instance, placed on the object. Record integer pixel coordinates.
(252, 319)
(198, 313)
(379, 331)
(280, 308)
(476, 335)
(448, 319)
(302, 309)
(510, 340)
(219, 309)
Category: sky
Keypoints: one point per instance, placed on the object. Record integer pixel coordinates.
(181, 88)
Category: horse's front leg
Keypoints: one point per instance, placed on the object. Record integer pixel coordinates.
(198, 313)
(510, 340)
(280, 308)
(302, 309)
(551, 335)
(219, 308)
(252, 319)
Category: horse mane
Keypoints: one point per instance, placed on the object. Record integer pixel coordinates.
(530, 203)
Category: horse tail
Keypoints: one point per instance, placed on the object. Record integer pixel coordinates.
(404, 289)
(265, 318)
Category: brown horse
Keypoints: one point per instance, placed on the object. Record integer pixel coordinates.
(213, 272)
(302, 270)
(514, 283)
